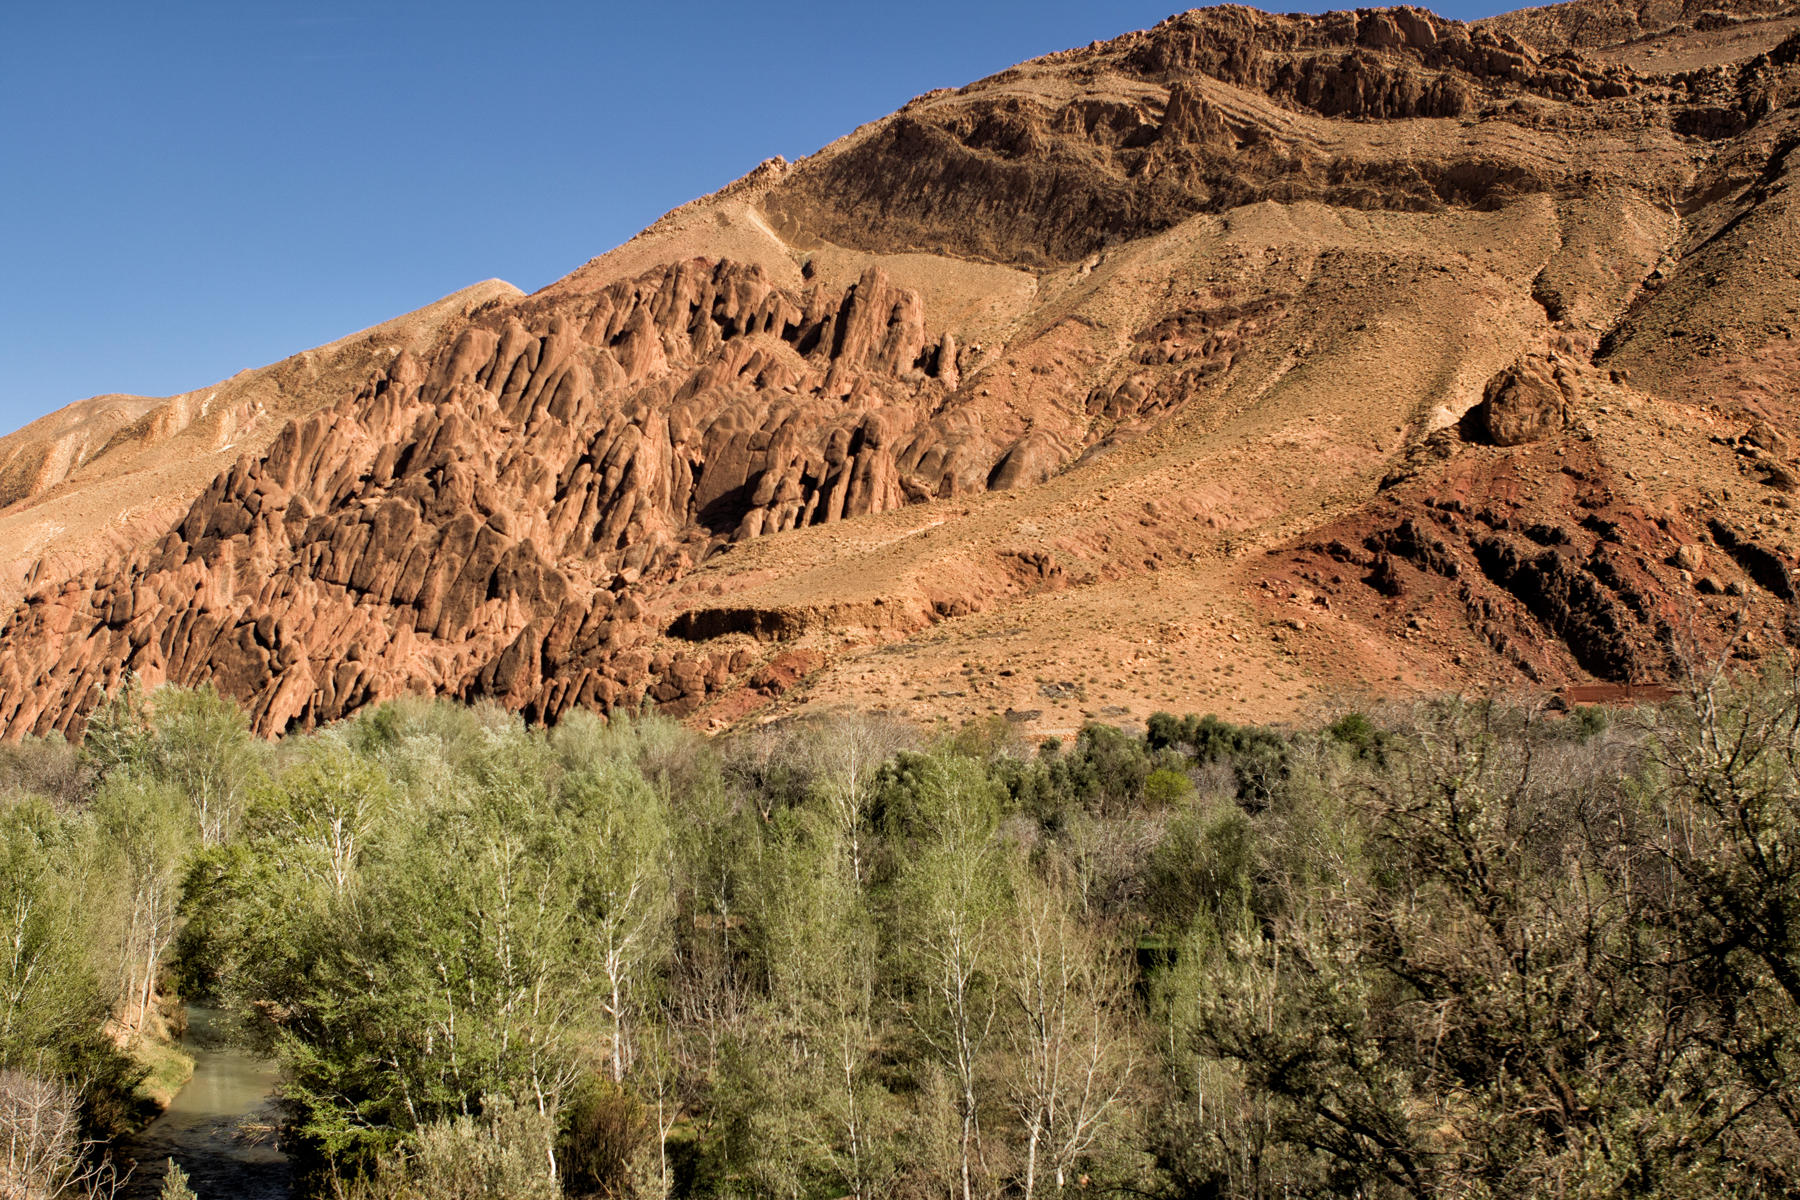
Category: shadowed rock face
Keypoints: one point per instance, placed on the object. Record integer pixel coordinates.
(1041, 177)
(1599, 23)
(1439, 331)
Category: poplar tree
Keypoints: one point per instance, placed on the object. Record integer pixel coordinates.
(951, 908)
(146, 827)
(1070, 1059)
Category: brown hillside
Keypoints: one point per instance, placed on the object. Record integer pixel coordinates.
(1226, 365)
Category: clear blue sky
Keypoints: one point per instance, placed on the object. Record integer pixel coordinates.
(194, 188)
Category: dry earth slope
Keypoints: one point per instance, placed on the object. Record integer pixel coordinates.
(1229, 365)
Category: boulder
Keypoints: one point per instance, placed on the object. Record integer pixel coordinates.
(1526, 402)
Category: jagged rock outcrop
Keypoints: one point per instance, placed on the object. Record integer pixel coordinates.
(480, 524)
(1386, 64)
(114, 471)
(1593, 23)
(1078, 172)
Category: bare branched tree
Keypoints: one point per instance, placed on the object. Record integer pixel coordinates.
(43, 1155)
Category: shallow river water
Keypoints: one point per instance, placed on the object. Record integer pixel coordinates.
(220, 1128)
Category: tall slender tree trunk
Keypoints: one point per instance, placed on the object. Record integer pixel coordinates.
(618, 1046)
(149, 985)
(856, 1172)
(968, 1190)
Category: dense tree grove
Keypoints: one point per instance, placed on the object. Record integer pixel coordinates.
(1461, 949)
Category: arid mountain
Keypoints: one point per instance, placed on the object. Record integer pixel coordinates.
(1228, 365)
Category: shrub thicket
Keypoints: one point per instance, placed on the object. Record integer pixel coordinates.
(1463, 949)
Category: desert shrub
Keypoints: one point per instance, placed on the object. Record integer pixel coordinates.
(1587, 722)
(1257, 755)
(987, 739)
(769, 768)
(49, 767)
(915, 794)
(1357, 733)
(1200, 867)
(1491, 901)
(1104, 773)
(503, 1152)
(1166, 787)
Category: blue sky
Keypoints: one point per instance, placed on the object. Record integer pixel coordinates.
(194, 188)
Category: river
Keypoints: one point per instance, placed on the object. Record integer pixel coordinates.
(220, 1127)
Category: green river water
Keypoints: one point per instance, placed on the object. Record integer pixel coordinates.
(220, 1127)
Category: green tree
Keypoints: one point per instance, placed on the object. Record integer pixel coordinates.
(175, 1183)
(53, 894)
(146, 826)
(952, 904)
(117, 734)
(1070, 1058)
(325, 808)
(811, 1114)
(405, 972)
(845, 753)
(193, 739)
(202, 745)
(618, 855)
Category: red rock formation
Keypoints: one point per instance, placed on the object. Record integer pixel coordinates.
(115, 471)
(482, 524)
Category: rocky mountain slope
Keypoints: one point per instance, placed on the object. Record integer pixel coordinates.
(114, 471)
(1236, 364)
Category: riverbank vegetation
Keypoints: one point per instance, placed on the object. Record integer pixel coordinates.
(1457, 949)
